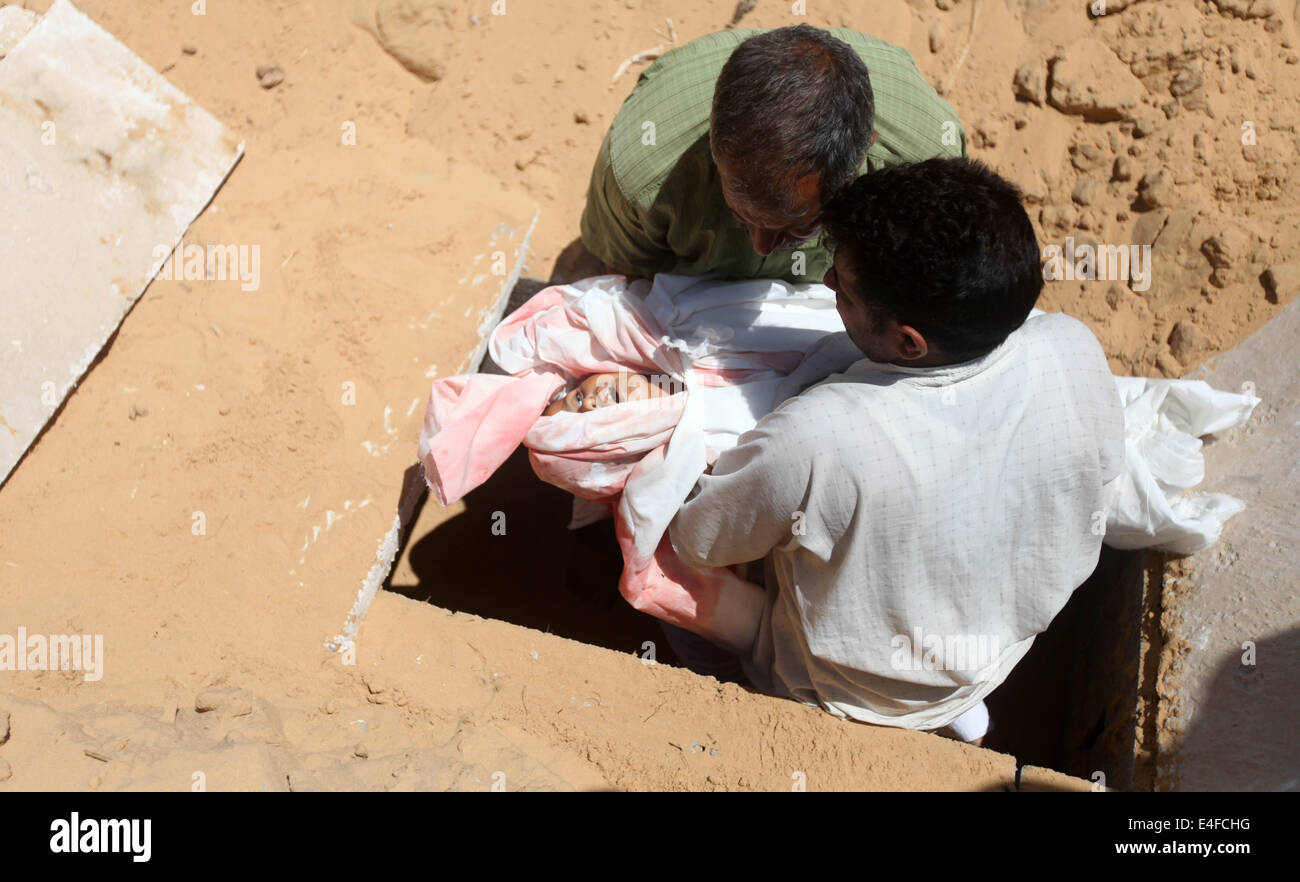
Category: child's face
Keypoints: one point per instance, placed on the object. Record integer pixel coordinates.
(602, 390)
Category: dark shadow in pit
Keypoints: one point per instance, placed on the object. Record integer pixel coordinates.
(1070, 704)
(510, 556)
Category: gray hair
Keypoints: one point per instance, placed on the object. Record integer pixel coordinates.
(791, 102)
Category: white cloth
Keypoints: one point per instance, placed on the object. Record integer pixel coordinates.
(714, 324)
(1151, 506)
(901, 506)
(1163, 460)
(972, 724)
(727, 344)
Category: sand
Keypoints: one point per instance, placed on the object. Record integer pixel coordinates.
(233, 403)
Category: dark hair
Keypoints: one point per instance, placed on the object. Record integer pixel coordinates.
(791, 102)
(942, 245)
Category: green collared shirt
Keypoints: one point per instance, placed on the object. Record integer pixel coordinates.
(655, 200)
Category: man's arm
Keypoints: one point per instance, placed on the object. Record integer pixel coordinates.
(615, 231)
(832, 354)
(752, 501)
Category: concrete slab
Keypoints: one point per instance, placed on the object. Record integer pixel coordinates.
(1230, 667)
(103, 166)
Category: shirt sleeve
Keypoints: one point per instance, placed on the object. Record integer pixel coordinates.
(754, 501)
(832, 354)
(614, 230)
(1112, 435)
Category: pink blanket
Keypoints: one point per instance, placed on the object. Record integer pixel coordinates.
(636, 459)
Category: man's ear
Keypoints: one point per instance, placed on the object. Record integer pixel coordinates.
(911, 343)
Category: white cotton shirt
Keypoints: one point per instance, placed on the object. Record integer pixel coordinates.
(920, 525)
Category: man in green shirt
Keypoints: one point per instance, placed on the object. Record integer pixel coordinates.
(722, 156)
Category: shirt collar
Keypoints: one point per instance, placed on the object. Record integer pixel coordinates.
(943, 375)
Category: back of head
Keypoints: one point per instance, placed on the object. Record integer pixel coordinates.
(791, 102)
(942, 245)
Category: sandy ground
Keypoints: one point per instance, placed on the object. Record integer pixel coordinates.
(233, 404)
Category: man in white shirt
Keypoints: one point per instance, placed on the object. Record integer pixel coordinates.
(924, 512)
